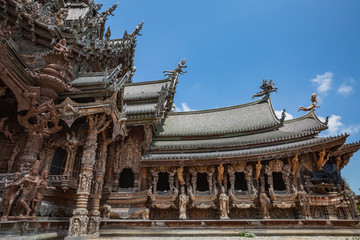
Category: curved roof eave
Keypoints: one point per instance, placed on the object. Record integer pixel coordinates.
(248, 117)
(253, 154)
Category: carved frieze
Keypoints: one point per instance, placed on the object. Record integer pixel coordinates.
(128, 155)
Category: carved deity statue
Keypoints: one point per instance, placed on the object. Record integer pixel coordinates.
(294, 164)
(312, 106)
(9, 195)
(220, 177)
(61, 47)
(304, 202)
(29, 186)
(321, 159)
(183, 200)
(264, 204)
(258, 170)
(179, 173)
(224, 204)
(108, 34)
(14, 154)
(41, 187)
(338, 161)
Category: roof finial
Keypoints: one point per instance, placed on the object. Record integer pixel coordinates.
(283, 116)
(266, 88)
(312, 106)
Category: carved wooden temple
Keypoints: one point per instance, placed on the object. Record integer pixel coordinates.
(110, 149)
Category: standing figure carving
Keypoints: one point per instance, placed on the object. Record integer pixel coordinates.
(183, 200)
(220, 177)
(294, 164)
(9, 195)
(224, 204)
(14, 154)
(264, 204)
(29, 187)
(41, 187)
(179, 173)
(258, 170)
(304, 202)
(321, 159)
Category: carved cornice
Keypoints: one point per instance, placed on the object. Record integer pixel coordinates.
(72, 110)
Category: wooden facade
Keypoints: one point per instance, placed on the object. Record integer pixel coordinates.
(108, 148)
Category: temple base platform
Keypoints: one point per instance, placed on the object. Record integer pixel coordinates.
(57, 229)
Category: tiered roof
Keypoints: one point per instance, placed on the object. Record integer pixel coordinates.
(248, 132)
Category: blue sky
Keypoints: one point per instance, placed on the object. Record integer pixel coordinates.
(230, 46)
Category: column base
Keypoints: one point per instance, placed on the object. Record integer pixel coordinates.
(78, 227)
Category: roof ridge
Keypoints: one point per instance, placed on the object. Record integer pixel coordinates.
(146, 82)
(264, 99)
(310, 114)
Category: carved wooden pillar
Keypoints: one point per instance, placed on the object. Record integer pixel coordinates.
(38, 122)
(226, 182)
(232, 181)
(248, 183)
(100, 166)
(155, 181)
(69, 166)
(171, 181)
(31, 150)
(109, 179)
(194, 180)
(210, 177)
(48, 154)
(79, 221)
(136, 180)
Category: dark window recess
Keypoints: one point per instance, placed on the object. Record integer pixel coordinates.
(163, 182)
(240, 181)
(278, 181)
(57, 162)
(202, 183)
(126, 178)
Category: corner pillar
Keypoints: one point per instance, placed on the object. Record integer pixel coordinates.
(79, 221)
(100, 167)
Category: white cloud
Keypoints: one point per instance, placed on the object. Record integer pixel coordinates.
(184, 108)
(345, 89)
(336, 127)
(323, 81)
(288, 115)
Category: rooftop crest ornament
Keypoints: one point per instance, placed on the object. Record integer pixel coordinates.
(266, 88)
(172, 74)
(312, 106)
